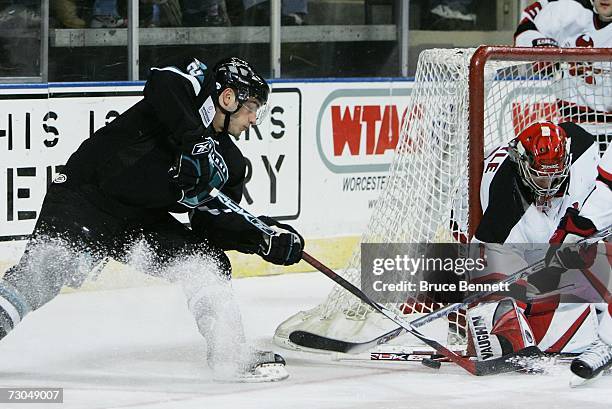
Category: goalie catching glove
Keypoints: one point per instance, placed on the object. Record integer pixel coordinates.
(571, 229)
(199, 170)
(283, 248)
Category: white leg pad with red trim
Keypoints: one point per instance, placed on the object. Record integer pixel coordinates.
(565, 327)
(498, 328)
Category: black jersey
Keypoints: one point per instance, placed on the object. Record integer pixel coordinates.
(124, 166)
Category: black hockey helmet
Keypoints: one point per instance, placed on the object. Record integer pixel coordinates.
(238, 75)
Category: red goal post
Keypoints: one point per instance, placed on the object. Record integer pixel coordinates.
(477, 101)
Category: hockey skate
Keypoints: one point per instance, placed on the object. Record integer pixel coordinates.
(591, 363)
(258, 366)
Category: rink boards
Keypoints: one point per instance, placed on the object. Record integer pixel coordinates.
(318, 161)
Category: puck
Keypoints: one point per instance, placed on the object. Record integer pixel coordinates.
(430, 363)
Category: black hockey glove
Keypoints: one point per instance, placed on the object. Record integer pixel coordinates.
(572, 256)
(572, 228)
(564, 251)
(284, 248)
(198, 171)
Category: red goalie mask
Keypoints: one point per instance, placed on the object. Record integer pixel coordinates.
(541, 152)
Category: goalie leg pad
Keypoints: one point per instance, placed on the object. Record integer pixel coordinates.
(563, 327)
(498, 329)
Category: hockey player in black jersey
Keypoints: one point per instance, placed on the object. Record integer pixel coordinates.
(164, 154)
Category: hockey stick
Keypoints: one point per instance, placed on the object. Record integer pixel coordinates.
(314, 341)
(489, 367)
(310, 340)
(415, 356)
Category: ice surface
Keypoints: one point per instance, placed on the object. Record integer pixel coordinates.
(139, 348)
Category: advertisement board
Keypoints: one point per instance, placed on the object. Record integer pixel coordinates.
(318, 161)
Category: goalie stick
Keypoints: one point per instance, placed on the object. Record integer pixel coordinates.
(479, 368)
(314, 341)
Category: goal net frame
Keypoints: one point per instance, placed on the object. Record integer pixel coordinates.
(477, 101)
(357, 322)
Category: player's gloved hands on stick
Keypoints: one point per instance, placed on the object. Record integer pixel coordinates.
(284, 248)
(197, 171)
(563, 251)
(190, 175)
(572, 256)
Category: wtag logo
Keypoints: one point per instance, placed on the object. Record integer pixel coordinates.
(359, 129)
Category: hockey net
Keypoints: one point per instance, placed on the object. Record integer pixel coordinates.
(464, 103)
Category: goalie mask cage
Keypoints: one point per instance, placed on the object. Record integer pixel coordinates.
(464, 102)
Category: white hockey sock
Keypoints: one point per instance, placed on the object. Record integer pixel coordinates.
(605, 325)
(13, 307)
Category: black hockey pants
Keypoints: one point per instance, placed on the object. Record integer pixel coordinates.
(72, 236)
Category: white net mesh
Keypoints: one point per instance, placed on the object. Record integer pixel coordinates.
(426, 196)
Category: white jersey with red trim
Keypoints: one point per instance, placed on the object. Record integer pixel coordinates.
(518, 232)
(598, 206)
(510, 216)
(584, 88)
